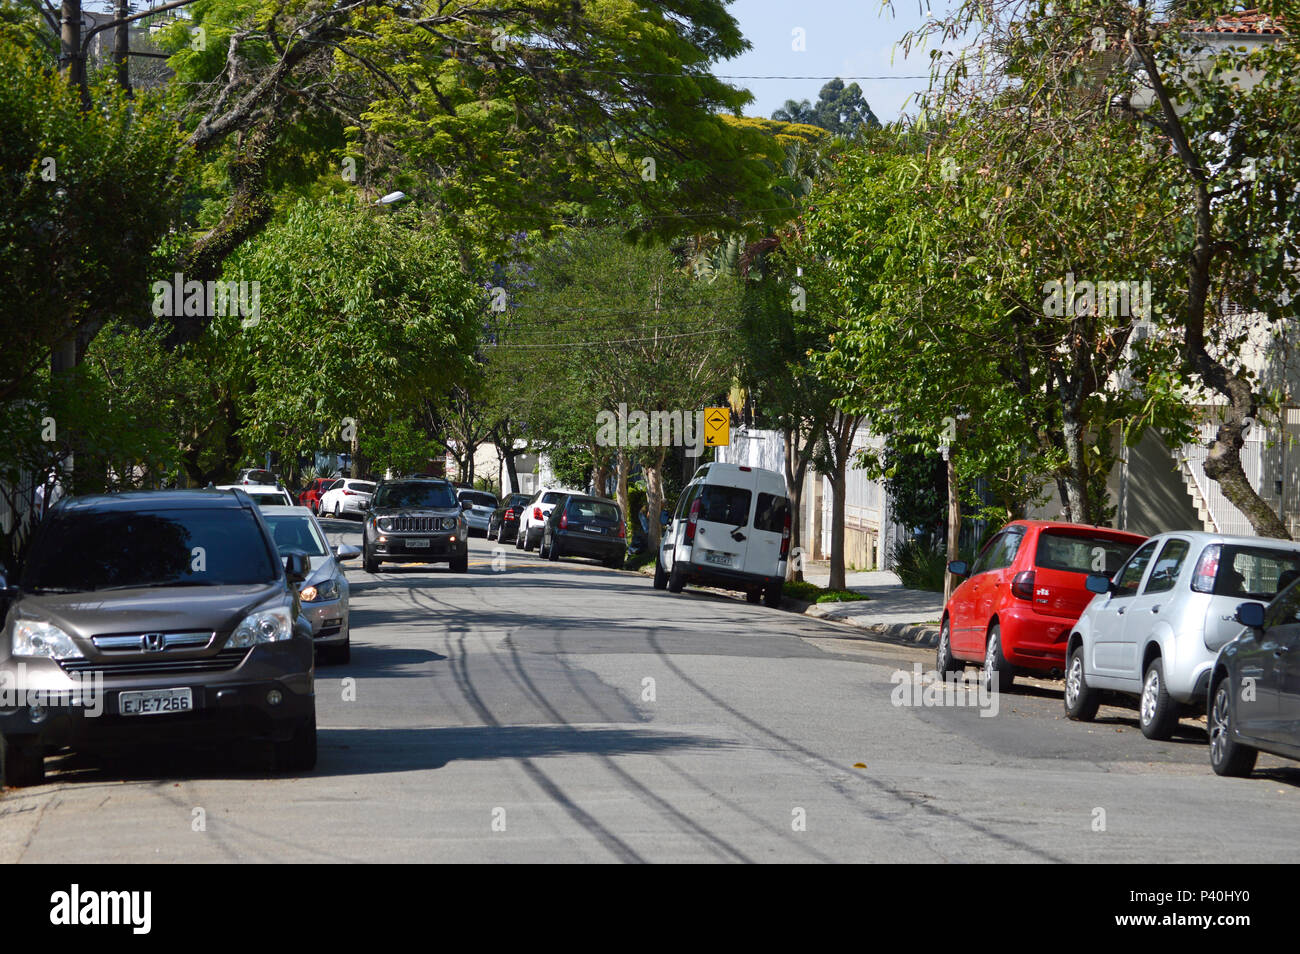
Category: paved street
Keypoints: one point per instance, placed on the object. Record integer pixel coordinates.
(565, 712)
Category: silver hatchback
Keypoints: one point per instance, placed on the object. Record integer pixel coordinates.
(1154, 630)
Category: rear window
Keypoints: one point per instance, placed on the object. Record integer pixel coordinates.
(361, 486)
(479, 499)
(1253, 573)
(592, 510)
(117, 549)
(1081, 553)
(724, 504)
(552, 496)
(269, 499)
(259, 477)
(771, 513)
(518, 500)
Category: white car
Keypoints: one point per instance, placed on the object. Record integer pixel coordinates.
(481, 507)
(731, 530)
(264, 495)
(346, 497)
(1156, 628)
(529, 533)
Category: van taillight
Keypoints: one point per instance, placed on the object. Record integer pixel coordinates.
(692, 520)
(1207, 568)
(785, 536)
(1023, 585)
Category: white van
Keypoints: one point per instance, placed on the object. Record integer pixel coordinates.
(731, 529)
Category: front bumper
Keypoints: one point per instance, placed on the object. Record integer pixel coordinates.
(329, 621)
(397, 548)
(229, 704)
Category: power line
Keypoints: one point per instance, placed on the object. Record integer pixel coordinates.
(588, 344)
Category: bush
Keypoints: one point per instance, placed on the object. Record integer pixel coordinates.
(812, 593)
(922, 567)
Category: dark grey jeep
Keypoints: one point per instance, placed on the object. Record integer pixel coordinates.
(154, 616)
(413, 520)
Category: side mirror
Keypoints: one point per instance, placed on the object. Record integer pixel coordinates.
(1250, 615)
(1097, 583)
(346, 551)
(466, 505)
(959, 568)
(296, 567)
(364, 505)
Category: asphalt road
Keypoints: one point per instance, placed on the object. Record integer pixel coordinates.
(536, 711)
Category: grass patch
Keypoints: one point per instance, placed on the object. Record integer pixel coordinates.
(636, 561)
(812, 593)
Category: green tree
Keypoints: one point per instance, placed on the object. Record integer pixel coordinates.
(840, 109)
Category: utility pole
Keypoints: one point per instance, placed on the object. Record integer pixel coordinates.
(71, 63)
(122, 45)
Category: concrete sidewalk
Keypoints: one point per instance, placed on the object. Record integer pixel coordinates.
(892, 610)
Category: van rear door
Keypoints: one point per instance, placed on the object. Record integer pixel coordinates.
(722, 529)
(771, 517)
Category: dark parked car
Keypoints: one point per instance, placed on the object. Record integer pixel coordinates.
(504, 522)
(585, 526)
(415, 521)
(1254, 698)
(155, 616)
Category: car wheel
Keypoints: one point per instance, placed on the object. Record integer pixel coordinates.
(772, 594)
(1227, 756)
(753, 596)
(553, 551)
(460, 564)
(1081, 702)
(1157, 712)
(529, 544)
(368, 562)
(676, 579)
(299, 753)
(519, 538)
(661, 575)
(21, 765)
(344, 653)
(615, 562)
(997, 675)
(337, 515)
(944, 660)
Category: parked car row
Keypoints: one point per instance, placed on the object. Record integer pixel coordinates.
(1184, 622)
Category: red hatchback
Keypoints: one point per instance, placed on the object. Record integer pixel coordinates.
(311, 496)
(1024, 592)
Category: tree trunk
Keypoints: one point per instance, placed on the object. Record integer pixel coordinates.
(838, 486)
(122, 46)
(654, 493)
(1076, 477)
(796, 467)
(954, 524)
(622, 465)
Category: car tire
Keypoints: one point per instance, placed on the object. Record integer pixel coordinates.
(997, 674)
(298, 754)
(1227, 756)
(753, 596)
(661, 575)
(337, 514)
(553, 551)
(21, 765)
(1157, 711)
(519, 538)
(615, 562)
(772, 594)
(368, 561)
(676, 579)
(460, 564)
(1081, 701)
(529, 545)
(944, 661)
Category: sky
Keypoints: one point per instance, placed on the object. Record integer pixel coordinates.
(845, 38)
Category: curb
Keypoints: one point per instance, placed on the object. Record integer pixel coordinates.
(908, 634)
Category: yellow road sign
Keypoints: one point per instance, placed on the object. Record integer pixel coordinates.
(717, 427)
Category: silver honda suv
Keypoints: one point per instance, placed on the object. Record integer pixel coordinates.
(1154, 630)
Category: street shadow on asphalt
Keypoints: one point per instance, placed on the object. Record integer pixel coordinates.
(345, 752)
(380, 661)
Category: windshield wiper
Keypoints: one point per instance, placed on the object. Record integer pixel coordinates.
(56, 589)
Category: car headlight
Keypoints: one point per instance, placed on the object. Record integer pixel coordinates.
(34, 637)
(385, 524)
(264, 626)
(449, 523)
(328, 590)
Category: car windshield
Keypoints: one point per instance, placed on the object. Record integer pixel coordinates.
(415, 495)
(1253, 573)
(115, 549)
(295, 534)
(480, 499)
(1081, 552)
(276, 499)
(593, 510)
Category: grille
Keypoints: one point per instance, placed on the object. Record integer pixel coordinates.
(135, 642)
(225, 660)
(402, 524)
